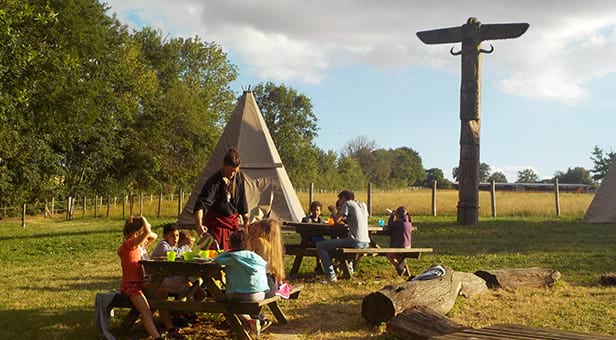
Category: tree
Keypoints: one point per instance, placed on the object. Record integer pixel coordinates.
(436, 174)
(577, 175)
(602, 161)
(484, 172)
(527, 176)
(497, 177)
(293, 126)
(351, 175)
(407, 168)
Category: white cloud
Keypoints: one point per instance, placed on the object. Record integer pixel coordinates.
(569, 43)
(511, 171)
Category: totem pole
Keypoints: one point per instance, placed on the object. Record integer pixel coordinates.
(470, 35)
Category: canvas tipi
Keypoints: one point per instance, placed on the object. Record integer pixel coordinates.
(268, 188)
(602, 209)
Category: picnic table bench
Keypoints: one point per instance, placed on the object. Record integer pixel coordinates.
(216, 302)
(345, 255)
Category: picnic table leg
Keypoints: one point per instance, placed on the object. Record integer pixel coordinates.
(236, 326)
(273, 306)
(296, 264)
(133, 314)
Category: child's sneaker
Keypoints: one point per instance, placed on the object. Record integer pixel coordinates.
(173, 333)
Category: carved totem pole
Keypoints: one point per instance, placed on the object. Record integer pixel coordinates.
(470, 35)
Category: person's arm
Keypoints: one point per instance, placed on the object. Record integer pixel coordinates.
(147, 236)
(242, 202)
(203, 203)
(337, 216)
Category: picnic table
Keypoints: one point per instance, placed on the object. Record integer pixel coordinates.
(345, 255)
(216, 302)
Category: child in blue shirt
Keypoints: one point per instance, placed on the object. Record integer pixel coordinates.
(246, 274)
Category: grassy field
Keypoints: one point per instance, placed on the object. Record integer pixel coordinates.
(52, 269)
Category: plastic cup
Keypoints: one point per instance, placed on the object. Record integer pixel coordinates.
(203, 254)
(188, 255)
(211, 254)
(171, 256)
(381, 223)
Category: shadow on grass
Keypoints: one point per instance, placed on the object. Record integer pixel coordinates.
(48, 324)
(99, 284)
(56, 235)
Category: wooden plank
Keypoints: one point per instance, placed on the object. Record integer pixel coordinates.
(548, 333)
(519, 332)
(385, 250)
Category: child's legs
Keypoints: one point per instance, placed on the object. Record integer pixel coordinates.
(393, 259)
(141, 303)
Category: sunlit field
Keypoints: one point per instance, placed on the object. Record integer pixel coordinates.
(507, 203)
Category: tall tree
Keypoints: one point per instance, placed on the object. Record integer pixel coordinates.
(293, 126)
(602, 161)
(484, 172)
(407, 168)
(436, 174)
(527, 176)
(351, 175)
(577, 175)
(497, 177)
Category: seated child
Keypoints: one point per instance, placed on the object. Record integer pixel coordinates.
(137, 235)
(400, 227)
(315, 217)
(185, 242)
(173, 284)
(246, 275)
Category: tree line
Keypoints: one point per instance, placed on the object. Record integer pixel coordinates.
(89, 106)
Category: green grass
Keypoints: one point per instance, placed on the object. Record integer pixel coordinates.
(52, 270)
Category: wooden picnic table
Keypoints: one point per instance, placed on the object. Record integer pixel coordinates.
(216, 302)
(346, 255)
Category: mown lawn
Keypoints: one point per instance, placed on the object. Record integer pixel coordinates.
(52, 270)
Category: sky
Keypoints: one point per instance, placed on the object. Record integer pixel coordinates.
(546, 97)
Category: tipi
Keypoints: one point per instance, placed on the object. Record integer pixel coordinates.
(268, 188)
(602, 209)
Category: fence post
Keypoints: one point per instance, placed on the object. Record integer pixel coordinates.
(369, 198)
(310, 195)
(53, 203)
(151, 197)
(131, 201)
(434, 197)
(160, 199)
(141, 203)
(557, 197)
(108, 201)
(83, 209)
(114, 201)
(180, 196)
(95, 206)
(493, 197)
(68, 207)
(23, 217)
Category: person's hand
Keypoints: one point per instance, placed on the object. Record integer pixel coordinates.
(203, 229)
(146, 225)
(332, 209)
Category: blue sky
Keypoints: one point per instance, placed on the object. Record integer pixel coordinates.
(547, 97)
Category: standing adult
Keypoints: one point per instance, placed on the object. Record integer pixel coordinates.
(222, 200)
(356, 216)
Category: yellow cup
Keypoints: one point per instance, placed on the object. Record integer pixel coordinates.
(171, 256)
(188, 255)
(202, 254)
(211, 253)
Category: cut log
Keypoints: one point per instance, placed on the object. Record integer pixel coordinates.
(608, 279)
(422, 323)
(519, 277)
(471, 284)
(438, 293)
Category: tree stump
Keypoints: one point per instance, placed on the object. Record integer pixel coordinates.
(471, 284)
(519, 277)
(422, 323)
(438, 293)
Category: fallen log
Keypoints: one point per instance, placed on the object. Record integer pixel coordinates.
(471, 284)
(439, 294)
(422, 322)
(519, 277)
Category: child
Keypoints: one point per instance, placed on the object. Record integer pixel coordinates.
(185, 242)
(315, 217)
(400, 227)
(315, 213)
(265, 240)
(137, 235)
(246, 274)
(169, 242)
